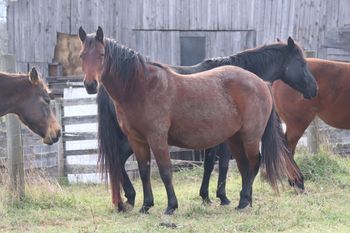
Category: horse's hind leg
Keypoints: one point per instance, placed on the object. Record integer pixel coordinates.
(248, 162)
(129, 190)
(224, 160)
(209, 161)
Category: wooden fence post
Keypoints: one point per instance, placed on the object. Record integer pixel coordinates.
(14, 140)
(313, 140)
(60, 158)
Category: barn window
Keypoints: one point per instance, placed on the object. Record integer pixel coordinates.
(192, 50)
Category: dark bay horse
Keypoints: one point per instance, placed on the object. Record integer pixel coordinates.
(156, 107)
(265, 61)
(28, 97)
(331, 104)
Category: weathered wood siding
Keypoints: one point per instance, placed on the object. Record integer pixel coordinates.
(153, 27)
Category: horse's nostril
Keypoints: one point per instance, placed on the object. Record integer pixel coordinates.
(58, 133)
(54, 140)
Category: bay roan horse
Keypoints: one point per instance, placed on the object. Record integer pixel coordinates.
(29, 98)
(270, 62)
(332, 103)
(157, 107)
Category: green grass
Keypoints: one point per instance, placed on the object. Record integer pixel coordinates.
(49, 207)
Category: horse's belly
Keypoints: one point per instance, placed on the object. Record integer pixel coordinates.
(337, 118)
(203, 132)
(334, 108)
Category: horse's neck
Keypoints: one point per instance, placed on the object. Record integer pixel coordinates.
(121, 94)
(268, 67)
(9, 94)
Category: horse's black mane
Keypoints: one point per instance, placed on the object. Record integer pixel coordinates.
(256, 56)
(157, 64)
(256, 60)
(121, 60)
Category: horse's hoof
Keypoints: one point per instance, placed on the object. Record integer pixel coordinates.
(243, 205)
(225, 201)
(128, 207)
(144, 210)
(243, 209)
(207, 201)
(169, 211)
(132, 203)
(121, 207)
(291, 183)
(299, 191)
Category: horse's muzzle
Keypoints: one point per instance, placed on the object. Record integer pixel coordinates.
(51, 139)
(91, 87)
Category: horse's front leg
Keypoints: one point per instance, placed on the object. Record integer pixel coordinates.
(160, 149)
(143, 156)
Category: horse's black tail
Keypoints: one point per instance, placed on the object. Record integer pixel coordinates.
(109, 134)
(275, 155)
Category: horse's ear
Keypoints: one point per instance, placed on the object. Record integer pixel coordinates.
(33, 76)
(99, 34)
(82, 34)
(291, 43)
(278, 40)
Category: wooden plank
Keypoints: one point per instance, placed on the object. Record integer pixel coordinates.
(70, 78)
(79, 169)
(14, 140)
(80, 152)
(11, 25)
(79, 120)
(42, 156)
(60, 147)
(3, 161)
(79, 136)
(129, 166)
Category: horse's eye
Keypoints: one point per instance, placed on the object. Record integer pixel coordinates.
(102, 54)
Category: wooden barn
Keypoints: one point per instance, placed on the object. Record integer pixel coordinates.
(43, 33)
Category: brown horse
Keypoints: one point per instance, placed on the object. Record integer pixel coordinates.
(331, 103)
(269, 62)
(157, 107)
(29, 98)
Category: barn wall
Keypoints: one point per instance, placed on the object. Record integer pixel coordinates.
(153, 27)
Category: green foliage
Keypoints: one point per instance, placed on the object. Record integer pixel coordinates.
(323, 167)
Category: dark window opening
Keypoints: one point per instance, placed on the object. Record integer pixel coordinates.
(192, 50)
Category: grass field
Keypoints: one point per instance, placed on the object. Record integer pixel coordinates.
(50, 207)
